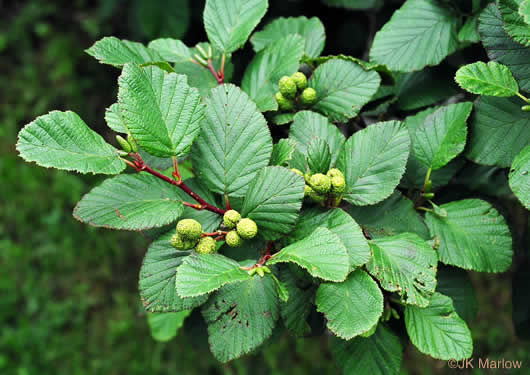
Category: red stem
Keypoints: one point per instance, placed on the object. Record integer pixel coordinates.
(219, 76)
(140, 165)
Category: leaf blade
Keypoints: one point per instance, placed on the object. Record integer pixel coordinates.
(234, 144)
(130, 202)
(473, 236)
(200, 274)
(62, 140)
(373, 161)
(352, 307)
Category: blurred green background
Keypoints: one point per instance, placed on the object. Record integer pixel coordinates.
(68, 293)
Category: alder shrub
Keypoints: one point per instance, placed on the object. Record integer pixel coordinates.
(337, 224)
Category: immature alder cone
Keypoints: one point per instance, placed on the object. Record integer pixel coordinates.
(182, 244)
(125, 146)
(320, 183)
(233, 239)
(247, 228)
(189, 229)
(287, 87)
(314, 196)
(284, 103)
(231, 218)
(300, 80)
(206, 245)
(308, 96)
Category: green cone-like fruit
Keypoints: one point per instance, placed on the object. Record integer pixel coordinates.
(316, 197)
(300, 80)
(284, 103)
(308, 191)
(320, 183)
(132, 142)
(334, 172)
(182, 244)
(247, 228)
(233, 239)
(230, 218)
(287, 87)
(125, 146)
(189, 229)
(308, 97)
(338, 185)
(206, 245)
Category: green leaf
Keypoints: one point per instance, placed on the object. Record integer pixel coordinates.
(520, 177)
(499, 130)
(492, 79)
(200, 77)
(282, 152)
(114, 119)
(339, 223)
(352, 307)
(405, 264)
(308, 125)
(234, 144)
(412, 93)
(296, 309)
(273, 200)
(514, 23)
(282, 118)
(473, 236)
(318, 156)
(394, 215)
(311, 29)
(155, 18)
(241, 317)
(172, 50)
(373, 161)
(203, 273)
(416, 170)
(354, 4)
(438, 331)
(379, 354)
(229, 23)
(161, 111)
(131, 202)
(113, 51)
(210, 221)
(62, 140)
(322, 254)
(419, 25)
(502, 48)
(165, 326)
(366, 65)
(469, 31)
(442, 136)
(455, 283)
(157, 278)
(524, 10)
(343, 88)
(261, 77)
